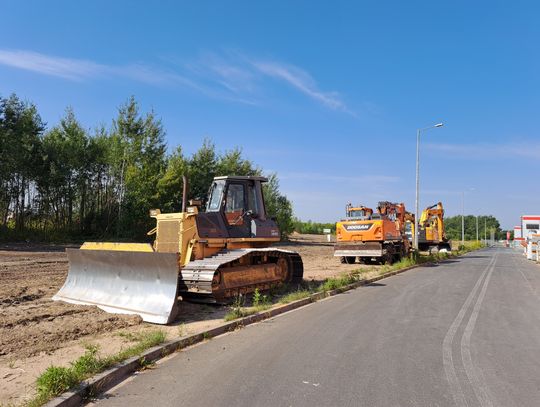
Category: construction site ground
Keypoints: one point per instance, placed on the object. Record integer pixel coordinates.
(36, 332)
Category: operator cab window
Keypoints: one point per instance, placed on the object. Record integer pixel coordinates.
(252, 200)
(214, 203)
(235, 204)
(358, 214)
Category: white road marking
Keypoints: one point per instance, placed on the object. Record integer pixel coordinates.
(474, 374)
(448, 362)
(519, 267)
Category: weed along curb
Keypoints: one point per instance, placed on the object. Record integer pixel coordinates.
(111, 377)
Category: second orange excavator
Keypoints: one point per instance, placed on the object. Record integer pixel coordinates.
(372, 237)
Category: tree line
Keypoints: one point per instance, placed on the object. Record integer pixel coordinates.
(67, 182)
(485, 223)
(313, 228)
(452, 226)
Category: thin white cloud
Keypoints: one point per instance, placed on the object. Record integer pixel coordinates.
(73, 69)
(80, 69)
(487, 151)
(228, 76)
(302, 81)
(248, 77)
(228, 70)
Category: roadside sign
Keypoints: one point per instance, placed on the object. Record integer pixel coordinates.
(327, 231)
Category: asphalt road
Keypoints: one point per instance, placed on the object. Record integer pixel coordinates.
(463, 333)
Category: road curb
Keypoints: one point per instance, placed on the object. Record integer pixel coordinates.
(104, 381)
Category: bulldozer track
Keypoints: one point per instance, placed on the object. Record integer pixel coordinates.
(197, 277)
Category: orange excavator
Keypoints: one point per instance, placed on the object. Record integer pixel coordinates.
(369, 236)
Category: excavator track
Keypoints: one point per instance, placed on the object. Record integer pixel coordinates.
(219, 278)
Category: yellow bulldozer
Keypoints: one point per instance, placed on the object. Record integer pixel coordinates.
(209, 256)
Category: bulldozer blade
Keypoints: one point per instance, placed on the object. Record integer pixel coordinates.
(123, 282)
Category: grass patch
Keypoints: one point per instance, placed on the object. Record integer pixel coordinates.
(145, 341)
(239, 310)
(403, 263)
(56, 380)
(470, 246)
(236, 313)
(334, 283)
(294, 296)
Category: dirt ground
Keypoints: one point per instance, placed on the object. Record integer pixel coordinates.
(36, 332)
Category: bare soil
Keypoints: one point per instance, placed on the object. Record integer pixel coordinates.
(36, 332)
(318, 256)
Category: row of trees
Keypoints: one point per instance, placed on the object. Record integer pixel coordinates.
(485, 224)
(314, 228)
(69, 182)
(452, 225)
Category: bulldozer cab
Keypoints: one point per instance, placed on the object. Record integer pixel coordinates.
(236, 208)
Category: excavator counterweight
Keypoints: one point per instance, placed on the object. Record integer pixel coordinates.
(370, 236)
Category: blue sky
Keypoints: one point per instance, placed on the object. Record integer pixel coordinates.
(329, 96)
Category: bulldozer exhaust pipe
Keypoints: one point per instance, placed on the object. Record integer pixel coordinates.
(184, 192)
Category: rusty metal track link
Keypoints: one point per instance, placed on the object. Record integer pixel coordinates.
(232, 272)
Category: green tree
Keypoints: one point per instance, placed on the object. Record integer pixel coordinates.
(170, 186)
(71, 183)
(232, 163)
(453, 227)
(310, 227)
(202, 167)
(140, 140)
(278, 206)
(20, 152)
(67, 168)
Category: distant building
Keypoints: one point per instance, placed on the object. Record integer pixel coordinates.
(530, 224)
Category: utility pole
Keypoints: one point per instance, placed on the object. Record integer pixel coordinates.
(477, 228)
(462, 218)
(485, 229)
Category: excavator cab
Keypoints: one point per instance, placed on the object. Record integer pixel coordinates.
(360, 212)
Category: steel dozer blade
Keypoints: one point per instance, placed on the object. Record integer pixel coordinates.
(123, 282)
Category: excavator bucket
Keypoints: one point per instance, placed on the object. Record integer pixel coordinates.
(123, 282)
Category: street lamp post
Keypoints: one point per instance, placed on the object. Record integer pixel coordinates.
(463, 218)
(416, 231)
